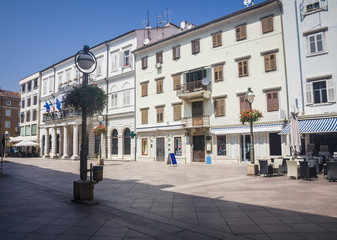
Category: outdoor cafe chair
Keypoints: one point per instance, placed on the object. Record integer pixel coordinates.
(331, 168)
(265, 169)
(307, 171)
(293, 169)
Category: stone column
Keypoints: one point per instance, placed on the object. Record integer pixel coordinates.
(60, 154)
(54, 144)
(46, 144)
(65, 142)
(103, 146)
(75, 143)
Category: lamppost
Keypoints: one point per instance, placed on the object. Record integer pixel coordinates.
(86, 63)
(250, 99)
(6, 135)
(100, 119)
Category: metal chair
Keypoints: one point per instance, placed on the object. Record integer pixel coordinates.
(265, 169)
(306, 171)
(331, 168)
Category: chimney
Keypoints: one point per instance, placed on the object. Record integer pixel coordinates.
(183, 25)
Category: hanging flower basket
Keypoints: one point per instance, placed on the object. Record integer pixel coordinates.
(89, 97)
(250, 115)
(100, 129)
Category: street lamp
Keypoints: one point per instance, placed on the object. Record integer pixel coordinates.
(100, 119)
(6, 135)
(86, 63)
(250, 99)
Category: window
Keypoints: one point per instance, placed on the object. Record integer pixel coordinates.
(35, 100)
(312, 7)
(177, 146)
(315, 43)
(8, 112)
(241, 32)
(243, 67)
(267, 24)
(44, 86)
(126, 97)
(216, 39)
(60, 78)
(144, 62)
(244, 104)
(36, 82)
(160, 114)
(22, 117)
(28, 101)
(34, 115)
(23, 87)
(270, 62)
(144, 89)
(144, 146)
(176, 82)
(27, 116)
(195, 46)
(114, 60)
(99, 68)
(275, 144)
(7, 124)
(159, 57)
(22, 103)
(114, 142)
(219, 108)
(159, 83)
(34, 129)
(68, 73)
(127, 142)
(8, 102)
(29, 86)
(144, 113)
(22, 131)
(177, 112)
(114, 100)
(218, 73)
(322, 91)
(126, 58)
(221, 145)
(272, 101)
(176, 52)
(51, 84)
(27, 132)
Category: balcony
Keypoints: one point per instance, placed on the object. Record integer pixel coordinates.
(61, 115)
(196, 122)
(194, 89)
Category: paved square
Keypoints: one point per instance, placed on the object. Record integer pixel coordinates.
(158, 201)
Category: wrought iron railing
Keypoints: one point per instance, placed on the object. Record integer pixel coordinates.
(61, 115)
(195, 86)
(201, 121)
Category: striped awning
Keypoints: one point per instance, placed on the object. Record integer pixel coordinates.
(246, 129)
(323, 125)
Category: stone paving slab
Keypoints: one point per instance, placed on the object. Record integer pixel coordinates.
(156, 201)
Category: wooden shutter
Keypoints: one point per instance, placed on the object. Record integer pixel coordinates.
(309, 96)
(144, 89)
(176, 82)
(220, 107)
(243, 68)
(144, 62)
(159, 57)
(267, 24)
(195, 46)
(244, 105)
(176, 52)
(241, 32)
(272, 101)
(218, 73)
(270, 62)
(216, 39)
(159, 84)
(177, 112)
(330, 91)
(160, 114)
(144, 116)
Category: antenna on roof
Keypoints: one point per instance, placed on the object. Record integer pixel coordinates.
(247, 2)
(167, 12)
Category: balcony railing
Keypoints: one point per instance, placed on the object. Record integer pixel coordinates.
(192, 122)
(53, 116)
(194, 89)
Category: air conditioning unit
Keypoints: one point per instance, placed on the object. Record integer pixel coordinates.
(158, 65)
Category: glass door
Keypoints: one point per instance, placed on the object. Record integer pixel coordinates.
(245, 148)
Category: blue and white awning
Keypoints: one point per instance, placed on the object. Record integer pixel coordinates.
(246, 129)
(323, 125)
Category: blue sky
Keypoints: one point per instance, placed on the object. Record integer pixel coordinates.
(34, 34)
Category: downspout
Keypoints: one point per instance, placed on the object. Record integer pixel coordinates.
(107, 92)
(299, 57)
(134, 103)
(284, 58)
(39, 112)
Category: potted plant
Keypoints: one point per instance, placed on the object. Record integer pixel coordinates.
(250, 116)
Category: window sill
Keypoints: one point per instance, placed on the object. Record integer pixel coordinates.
(320, 104)
(313, 11)
(317, 54)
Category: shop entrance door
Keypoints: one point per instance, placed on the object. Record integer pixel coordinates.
(160, 149)
(199, 148)
(245, 148)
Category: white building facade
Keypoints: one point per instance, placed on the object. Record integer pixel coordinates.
(61, 128)
(310, 30)
(190, 90)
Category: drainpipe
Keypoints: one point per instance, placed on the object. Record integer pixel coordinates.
(134, 103)
(284, 58)
(107, 92)
(39, 112)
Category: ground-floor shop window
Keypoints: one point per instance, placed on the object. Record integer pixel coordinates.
(127, 142)
(221, 145)
(144, 146)
(177, 146)
(114, 142)
(275, 144)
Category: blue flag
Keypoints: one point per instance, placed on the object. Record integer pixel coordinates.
(47, 107)
(58, 104)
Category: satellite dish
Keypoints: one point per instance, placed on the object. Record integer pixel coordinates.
(247, 2)
(205, 81)
(146, 41)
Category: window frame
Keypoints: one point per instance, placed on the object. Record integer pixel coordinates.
(219, 107)
(309, 46)
(272, 102)
(159, 57)
(195, 45)
(8, 102)
(244, 105)
(8, 113)
(159, 85)
(144, 116)
(267, 24)
(218, 72)
(242, 67)
(177, 112)
(176, 52)
(176, 145)
(219, 150)
(144, 87)
(270, 64)
(160, 114)
(217, 39)
(241, 32)
(144, 62)
(145, 146)
(177, 82)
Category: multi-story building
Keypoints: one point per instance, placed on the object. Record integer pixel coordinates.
(310, 30)
(61, 128)
(9, 112)
(29, 111)
(190, 89)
